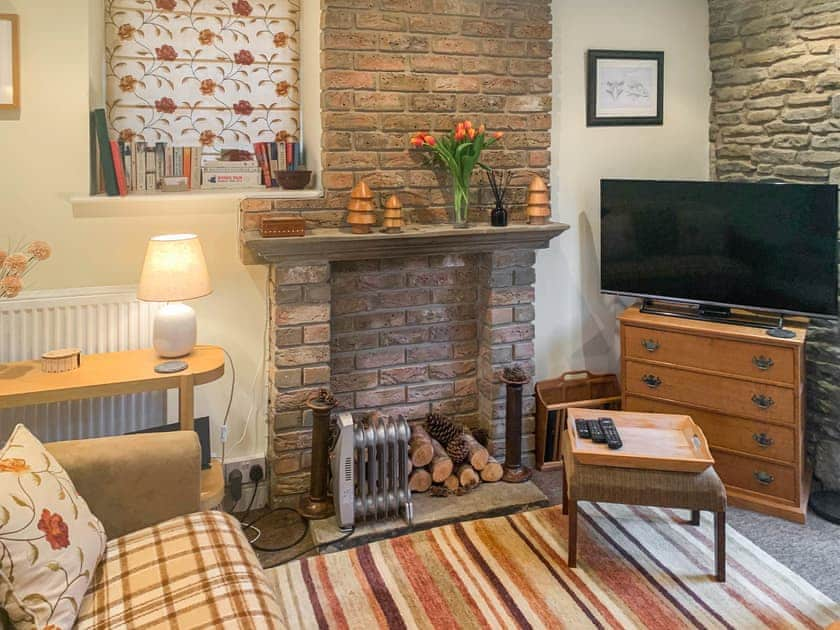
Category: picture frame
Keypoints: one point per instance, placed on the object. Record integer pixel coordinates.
(9, 62)
(624, 87)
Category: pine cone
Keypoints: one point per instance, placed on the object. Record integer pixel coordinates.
(442, 429)
(458, 450)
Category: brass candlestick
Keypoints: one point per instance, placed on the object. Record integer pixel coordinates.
(317, 505)
(514, 471)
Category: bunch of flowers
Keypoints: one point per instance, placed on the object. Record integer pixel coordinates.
(14, 266)
(459, 152)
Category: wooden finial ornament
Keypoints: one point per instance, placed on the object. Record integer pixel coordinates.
(539, 207)
(393, 221)
(360, 214)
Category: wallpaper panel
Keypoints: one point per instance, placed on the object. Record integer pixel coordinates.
(221, 73)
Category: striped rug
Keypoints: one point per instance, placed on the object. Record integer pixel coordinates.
(638, 568)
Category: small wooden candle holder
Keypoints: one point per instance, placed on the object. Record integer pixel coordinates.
(360, 214)
(539, 206)
(393, 222)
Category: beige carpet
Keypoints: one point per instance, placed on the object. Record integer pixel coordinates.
(638, 567)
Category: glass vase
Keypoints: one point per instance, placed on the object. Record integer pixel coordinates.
(461, 192)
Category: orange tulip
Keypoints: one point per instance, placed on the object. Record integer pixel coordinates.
(460, 134)
(498, 134)
(459, 127)
(471, 133)
(467, 124)
(430, 140)
(418, 139)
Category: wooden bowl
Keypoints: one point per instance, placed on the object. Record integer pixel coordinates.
(293, 180)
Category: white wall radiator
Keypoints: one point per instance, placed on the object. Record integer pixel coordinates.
(98, 319)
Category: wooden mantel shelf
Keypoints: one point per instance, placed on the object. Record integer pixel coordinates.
(334, 244)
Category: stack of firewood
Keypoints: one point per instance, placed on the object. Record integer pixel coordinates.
(448, 459)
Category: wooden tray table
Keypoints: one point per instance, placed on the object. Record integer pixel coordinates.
(651, 441)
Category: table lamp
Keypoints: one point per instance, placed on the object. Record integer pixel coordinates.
(174, 270)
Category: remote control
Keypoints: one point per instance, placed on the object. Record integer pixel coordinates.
(582, 427)
(596, 432)
(610, 432)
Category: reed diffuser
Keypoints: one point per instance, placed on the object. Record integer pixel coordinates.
(499, 184)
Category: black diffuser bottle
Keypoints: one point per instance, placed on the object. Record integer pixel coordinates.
(499, 185)
(499, 216)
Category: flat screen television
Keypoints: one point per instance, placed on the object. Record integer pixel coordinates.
(758, 246)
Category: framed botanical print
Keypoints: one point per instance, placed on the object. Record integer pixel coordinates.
(9, 62)
(624, 87)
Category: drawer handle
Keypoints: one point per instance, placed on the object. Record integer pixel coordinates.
(762, 401)
(651, 381)
(764, 478)
(650, 345)
(763, 440)
(762, 362)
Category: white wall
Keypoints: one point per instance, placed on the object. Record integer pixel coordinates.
(44, 162)
(576, 326)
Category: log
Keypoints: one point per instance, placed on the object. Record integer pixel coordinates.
(492, 472)
(441, 464)
(420, 447)
(420, 480)
(478, 454)
(451, 483)
(467, 476)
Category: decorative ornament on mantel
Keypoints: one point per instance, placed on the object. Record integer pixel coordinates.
(393, 221)
(360, 214)
(539, 207)
(459, 152)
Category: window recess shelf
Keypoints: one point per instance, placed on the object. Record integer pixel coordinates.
(189, 202)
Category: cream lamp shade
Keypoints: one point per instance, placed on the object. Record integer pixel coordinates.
(174, 269)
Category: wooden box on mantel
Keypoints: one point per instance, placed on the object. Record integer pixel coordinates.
(282, 226)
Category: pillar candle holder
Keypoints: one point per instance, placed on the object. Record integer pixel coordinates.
(318, 505)
(514, 471)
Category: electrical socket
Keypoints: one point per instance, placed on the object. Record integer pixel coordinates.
(243, 465)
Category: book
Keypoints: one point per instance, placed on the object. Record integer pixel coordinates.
(223, 164)
(140, 156)
(105, 154)
(195, 169)
(272, 159)
(290, 156)
(262, 155)
(93, 148)
(186, 165)
(160, 161)
(125, 150)
(296, 156)
(232, 180)
(119, 172)
(153, 167)
(281, 156)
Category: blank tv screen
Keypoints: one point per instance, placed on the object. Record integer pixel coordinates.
(762, 246)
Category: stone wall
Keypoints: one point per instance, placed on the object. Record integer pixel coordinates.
(776, 116)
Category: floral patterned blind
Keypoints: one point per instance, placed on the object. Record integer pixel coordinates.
(220, 73)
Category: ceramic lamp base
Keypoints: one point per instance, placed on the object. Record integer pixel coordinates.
(174, 331)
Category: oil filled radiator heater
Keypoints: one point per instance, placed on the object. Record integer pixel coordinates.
(370, 468)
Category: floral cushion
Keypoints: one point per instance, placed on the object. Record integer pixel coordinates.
(50, 542)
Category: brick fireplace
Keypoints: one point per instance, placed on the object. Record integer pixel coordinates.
(416, 323)
(405, 335)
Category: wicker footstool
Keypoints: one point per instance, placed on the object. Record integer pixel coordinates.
(608, 484)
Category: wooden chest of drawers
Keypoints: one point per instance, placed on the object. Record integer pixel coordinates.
(744, 388)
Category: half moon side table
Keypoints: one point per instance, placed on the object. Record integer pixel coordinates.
(23, 383)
